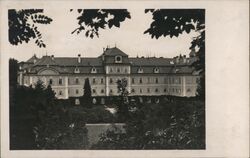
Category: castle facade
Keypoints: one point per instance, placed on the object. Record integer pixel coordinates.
(146, 76)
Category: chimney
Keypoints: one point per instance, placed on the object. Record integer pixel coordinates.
(177, 59)
(52, 57)
(184, 59)
(79, 58)
(34, 61)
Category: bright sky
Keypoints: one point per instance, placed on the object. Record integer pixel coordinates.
(129, 38)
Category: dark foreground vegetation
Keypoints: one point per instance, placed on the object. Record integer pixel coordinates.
(40, 121)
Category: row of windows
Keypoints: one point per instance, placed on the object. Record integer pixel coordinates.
(93, 70)
(156, 90)
(118, 70)
(140, 81)
(140, 70)
(76, 81)
(77, 91)
(156, 80)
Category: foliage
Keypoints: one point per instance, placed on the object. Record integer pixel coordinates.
(13, 68)
(173, 22)
(87, 92)
(22, 25)
(201, 88)
(122, 104)
(37, 121)
(91, 20)
(58, 129)
(96, 114)
(170, 125)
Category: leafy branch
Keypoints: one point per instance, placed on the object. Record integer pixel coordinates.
(22, 26)
(91, 20)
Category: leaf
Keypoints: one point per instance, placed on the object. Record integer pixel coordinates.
(79, 10)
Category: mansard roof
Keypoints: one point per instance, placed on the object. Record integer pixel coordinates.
(74, 61)
(68, 69)
(114, 52)
(164, 69)
(46, 60)
(68, 61)
(148, 64)
(149, 61)
(31, 60)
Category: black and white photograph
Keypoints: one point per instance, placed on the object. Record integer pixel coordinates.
(99, 78)
(145, 92)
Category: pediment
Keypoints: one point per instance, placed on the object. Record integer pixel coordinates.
(48, 72)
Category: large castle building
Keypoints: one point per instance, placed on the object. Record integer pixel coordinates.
(146, 76)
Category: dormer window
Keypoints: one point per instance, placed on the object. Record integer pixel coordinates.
(156, 70)
(118, 59)
(93, 70)
(140, 70)
(76, 70)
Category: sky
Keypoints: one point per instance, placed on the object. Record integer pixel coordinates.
(129, 38)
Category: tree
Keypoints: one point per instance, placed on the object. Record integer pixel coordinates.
(13, 68)
(22, 26)
(91, 20)
(168, 125)
(59, 129)
(87, 92)
(122, 111)
(173, 22)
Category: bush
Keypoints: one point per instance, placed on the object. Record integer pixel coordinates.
(168, 125)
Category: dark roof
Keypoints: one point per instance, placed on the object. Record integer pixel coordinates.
(46, 60)
(31, 60)
(152, 61)
(148, 64)
(67, 69)
(113, 52)
(67, 61)
(74, 61)
(163, 69)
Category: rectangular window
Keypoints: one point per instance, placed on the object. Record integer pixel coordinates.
(50, 81)
(133, 80)
(156, 80)
(60, 81)
(101, 80)
(110, 80)
(77, 91)
(140, 80)
(148, 90)
(93, 80)
(77, 81)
